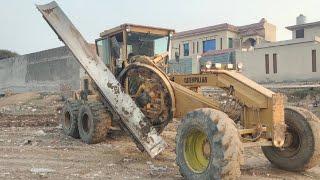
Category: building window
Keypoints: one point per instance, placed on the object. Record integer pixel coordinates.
(197, 47)
(209, 45)
(275, 63)
(186, 49)
(230, 42)
(220, 43)
(300, 33)
(314, 61)
(193, 48)
(266, 58)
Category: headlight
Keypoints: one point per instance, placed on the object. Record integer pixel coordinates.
(229, 66)
(218, 65)
(208, 64)
(240, 65)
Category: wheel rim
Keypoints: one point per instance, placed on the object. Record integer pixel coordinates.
(292, 143)
(85, 123)
(67, 119)
(197, 151)
(149, 92)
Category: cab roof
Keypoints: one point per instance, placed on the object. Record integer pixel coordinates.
(136, 28)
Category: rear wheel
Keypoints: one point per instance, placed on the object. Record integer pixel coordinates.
(208, 146)
(301, 149)
(93, 122)
(69, 119)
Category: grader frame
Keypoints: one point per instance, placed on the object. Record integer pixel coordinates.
(263, 109)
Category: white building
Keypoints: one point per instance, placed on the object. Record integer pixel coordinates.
(286, 61)
(217, 42)
(194, 42)
(254, 45)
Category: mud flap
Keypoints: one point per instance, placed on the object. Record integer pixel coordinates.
(110, 88)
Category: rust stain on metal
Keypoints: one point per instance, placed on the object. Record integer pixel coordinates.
(145, 128)
(125, 111)
(49, 10)
(150, 140)
(115, 88)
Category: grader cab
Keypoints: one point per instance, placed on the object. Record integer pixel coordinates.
(127, 86)
(118, 45)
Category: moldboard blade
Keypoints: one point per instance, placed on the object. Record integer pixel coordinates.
(109, 87)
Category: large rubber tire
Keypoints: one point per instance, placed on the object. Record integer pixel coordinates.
(69, 119)
(303, 152)
(225, 154)
(93, 122)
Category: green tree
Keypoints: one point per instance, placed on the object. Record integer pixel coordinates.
(7, 54)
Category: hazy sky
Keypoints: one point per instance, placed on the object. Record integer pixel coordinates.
(23, 30)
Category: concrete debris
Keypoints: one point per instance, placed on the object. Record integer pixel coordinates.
(158, 169)
(42, 171)
(40, 133)
(110, 165)
(126, 160)
(3, 174)
(26, 142)
(59, 126)
(8, 92)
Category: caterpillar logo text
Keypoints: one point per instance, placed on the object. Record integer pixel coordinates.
(189, 80)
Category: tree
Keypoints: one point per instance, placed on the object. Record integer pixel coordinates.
(7, 54)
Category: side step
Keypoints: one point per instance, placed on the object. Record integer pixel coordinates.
(110, 88)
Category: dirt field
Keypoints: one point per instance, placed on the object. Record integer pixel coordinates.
(32, 146)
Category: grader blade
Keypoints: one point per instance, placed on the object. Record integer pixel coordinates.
(131, 116)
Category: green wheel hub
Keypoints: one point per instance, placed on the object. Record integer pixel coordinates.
(197, 151)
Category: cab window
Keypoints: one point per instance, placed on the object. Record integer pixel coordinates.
(146, 44)
(103, 47)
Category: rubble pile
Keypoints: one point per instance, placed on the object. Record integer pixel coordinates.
(30, 109)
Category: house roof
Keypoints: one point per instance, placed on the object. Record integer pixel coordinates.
(223, 27)
(198, 31)
(299, 26)
(288, 42)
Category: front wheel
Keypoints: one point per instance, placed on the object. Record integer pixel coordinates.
(301, 148)
(208, 146)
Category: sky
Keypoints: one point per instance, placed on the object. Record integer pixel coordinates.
(23, 30)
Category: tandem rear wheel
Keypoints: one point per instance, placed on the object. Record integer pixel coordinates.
(88, 120)
(94, 122)
(69, 119)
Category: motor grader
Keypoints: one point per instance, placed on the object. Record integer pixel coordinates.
(126, 85)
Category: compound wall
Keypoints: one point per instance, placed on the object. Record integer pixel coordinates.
(50, 70)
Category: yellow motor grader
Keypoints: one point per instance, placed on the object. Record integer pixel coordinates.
(126, 85)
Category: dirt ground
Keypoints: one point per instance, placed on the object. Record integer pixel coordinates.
(32, 146)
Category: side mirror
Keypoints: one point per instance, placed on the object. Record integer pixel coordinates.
(177, 56)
